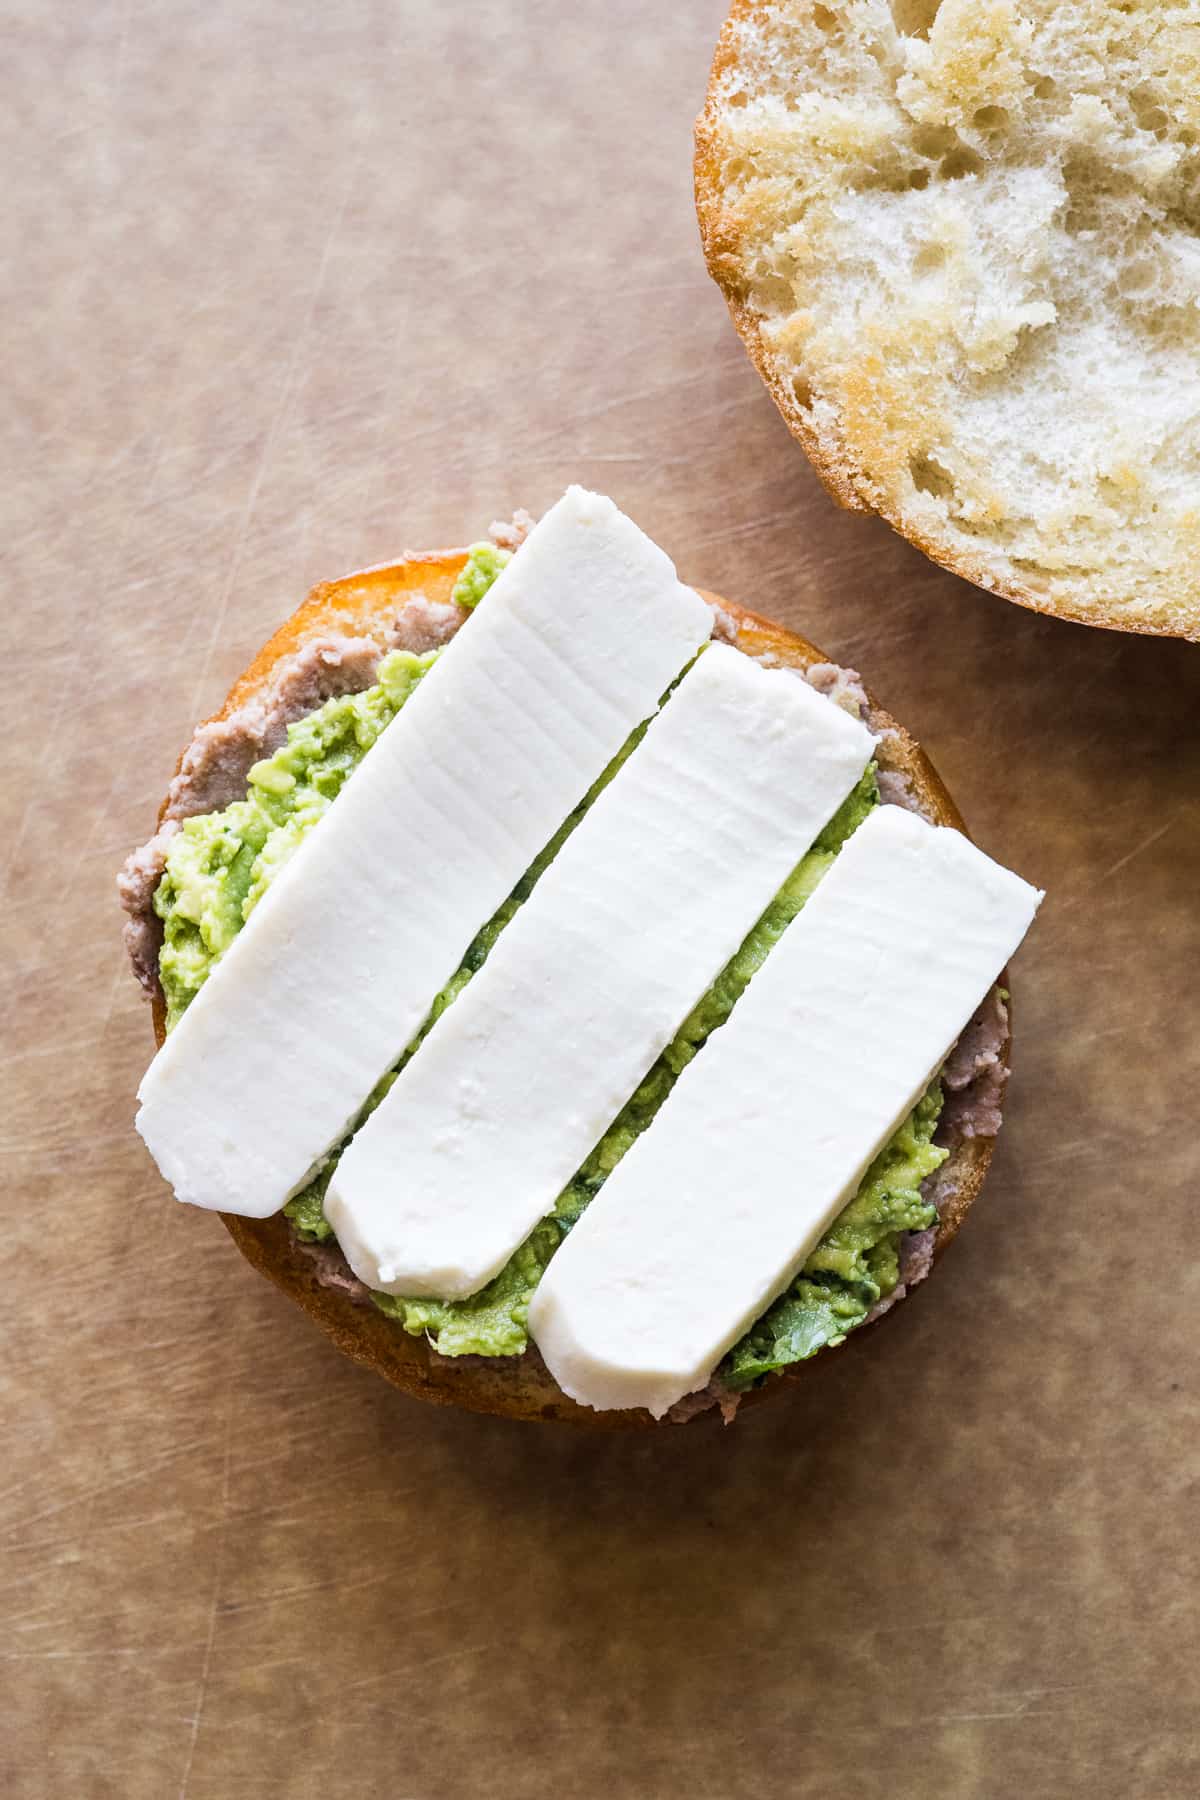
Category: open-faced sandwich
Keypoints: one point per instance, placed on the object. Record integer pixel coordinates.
(572, 989)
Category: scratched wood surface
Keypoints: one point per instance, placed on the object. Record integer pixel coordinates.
(288, 288)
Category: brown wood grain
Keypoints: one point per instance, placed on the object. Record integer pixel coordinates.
(287, 290)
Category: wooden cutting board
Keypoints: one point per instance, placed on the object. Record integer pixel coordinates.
(287, 290)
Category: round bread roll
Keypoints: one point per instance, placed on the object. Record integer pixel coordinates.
(366, 606)
(959, 241)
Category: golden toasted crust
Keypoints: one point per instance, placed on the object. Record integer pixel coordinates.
(876, 408)
(517, 1387)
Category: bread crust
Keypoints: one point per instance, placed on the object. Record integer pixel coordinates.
(845, 480)
(522, 1387)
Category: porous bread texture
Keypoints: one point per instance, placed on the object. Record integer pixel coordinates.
(961, 242)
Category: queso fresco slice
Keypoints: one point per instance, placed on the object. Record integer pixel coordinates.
(642, 907)
(766, 1135)
(334, 970)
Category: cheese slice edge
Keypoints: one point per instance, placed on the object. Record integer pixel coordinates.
(642, 908)
(332, 974)
(766, 1135)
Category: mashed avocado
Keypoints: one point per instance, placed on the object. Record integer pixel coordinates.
(484, 562)
(220, 864)
(856, 1263)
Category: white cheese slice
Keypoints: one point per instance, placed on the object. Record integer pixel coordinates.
(335, 969)
(766, 1135)
(639, 912)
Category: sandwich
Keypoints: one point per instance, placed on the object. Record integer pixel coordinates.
(959, 243)
(573, 990)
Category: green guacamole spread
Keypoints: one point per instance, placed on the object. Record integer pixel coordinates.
(220, 864)
(484, 562)
(855, 1264)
